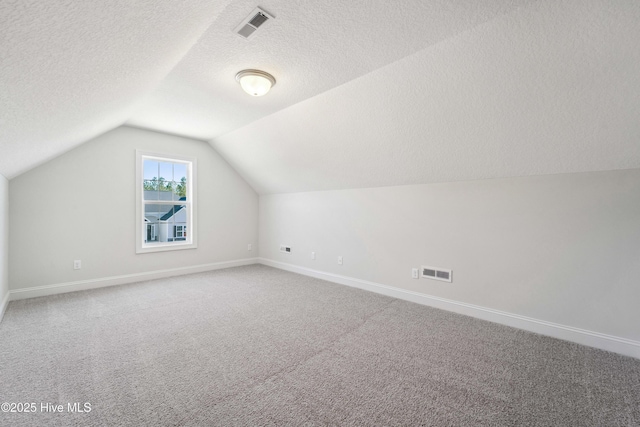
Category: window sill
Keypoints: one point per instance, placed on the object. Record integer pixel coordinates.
(162, 248)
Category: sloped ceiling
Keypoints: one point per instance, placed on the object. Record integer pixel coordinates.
(551, 88)
(310, 47)
(368, 93)
(70, 70)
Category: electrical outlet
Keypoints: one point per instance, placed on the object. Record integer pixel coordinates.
(339, 260)
(77, 264)
(285, 249)
(414, 273)
(313, 255)
(249, 247)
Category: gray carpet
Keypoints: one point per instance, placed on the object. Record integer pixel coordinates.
(255, 346)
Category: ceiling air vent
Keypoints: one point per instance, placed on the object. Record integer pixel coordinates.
(251, 23)
(436, 273)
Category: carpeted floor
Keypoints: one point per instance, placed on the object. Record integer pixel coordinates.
(255, 346)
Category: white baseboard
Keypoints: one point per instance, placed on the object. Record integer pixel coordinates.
(606, 342)
(3, 305)
(81, 285)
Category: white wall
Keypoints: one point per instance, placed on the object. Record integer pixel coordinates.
(560, 248)
(4, 243)
(81, 205)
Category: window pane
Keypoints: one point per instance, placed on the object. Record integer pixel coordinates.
(180, 214)
(150, 169)
(152, 214)
(180, 191)
(150, 189)
(179, 172)
(166, 171)
(165, 190)
(162, 217)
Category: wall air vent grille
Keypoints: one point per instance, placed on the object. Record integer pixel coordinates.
(251, 23)
(444, 275)
(429, 272)
(436, 273)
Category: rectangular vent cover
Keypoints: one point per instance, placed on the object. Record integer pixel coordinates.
(251, 23)
(436, 273)
(259, 19)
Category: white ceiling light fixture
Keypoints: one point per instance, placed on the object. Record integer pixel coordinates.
(255, 82)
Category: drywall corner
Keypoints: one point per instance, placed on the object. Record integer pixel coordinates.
(4, 245)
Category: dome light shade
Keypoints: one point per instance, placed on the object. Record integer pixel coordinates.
(255, 82)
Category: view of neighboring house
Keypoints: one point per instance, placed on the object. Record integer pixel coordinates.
(165, 222)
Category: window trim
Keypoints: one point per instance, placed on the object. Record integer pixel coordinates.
(141, 229)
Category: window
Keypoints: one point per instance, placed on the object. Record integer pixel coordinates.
(165, 193)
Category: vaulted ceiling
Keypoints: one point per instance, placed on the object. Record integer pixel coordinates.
(366, 95)
(73, 69)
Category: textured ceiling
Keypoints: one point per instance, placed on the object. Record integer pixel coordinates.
(70, 70)
(310, 47)
(551, 88)
(367, 94)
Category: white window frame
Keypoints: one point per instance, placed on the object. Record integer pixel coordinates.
(141, 227)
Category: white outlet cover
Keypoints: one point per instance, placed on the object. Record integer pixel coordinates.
(340, 260)
(414, 273)
(286, 249)
(313, 255)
